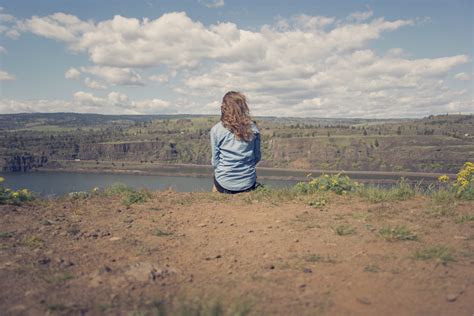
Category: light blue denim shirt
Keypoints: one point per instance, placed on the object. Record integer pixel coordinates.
(234, 161)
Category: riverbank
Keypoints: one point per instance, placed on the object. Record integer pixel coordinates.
(249, 254)
(186, 170)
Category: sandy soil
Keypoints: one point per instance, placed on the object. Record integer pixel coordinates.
(205, 252)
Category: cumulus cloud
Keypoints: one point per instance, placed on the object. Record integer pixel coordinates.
(115, 75)
(93, 84)
(360, 16)
(4, 76)
(212, 3)
(462, 76)
(302, 65)
(163, 78)
(72, 73)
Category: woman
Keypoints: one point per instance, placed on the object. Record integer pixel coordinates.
(235, 143)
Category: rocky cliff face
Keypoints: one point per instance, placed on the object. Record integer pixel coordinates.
(146, 151)
(414, 153)
(25, 162)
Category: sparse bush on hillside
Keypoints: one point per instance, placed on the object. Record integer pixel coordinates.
(337, 183)
(130, 195)
(400, 192)
(464, 184)
(8, 196)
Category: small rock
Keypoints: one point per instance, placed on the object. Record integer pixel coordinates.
(364, 300)
(451, 297)
(218, 256)
(307, 270)
(250, 231)
(114, 238)
(297, 240)
(128, 220)
(270, 267)
(302, 286)
(202, 225)
(44, 261)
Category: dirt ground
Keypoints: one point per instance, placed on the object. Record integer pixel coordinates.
(210, 254)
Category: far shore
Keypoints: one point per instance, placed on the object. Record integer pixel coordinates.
(205, 171)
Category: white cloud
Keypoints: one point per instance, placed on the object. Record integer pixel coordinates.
(462, 76)
(360, 16)
(212, 3)
(3, 50)
(93, 84)
(72, 73)
(115, 75)
(303, 65)
(163, 78)
(4, 76)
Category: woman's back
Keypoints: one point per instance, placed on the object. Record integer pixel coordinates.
(235, 143)
(234, 160)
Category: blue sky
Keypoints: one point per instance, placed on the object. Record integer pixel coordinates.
(291, 58)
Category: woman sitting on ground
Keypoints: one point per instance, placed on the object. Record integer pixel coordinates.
(235, 143)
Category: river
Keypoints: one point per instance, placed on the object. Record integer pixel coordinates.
(58, 183)
(179, 178)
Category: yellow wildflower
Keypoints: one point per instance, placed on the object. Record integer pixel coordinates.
(2, 179)
(443, 179)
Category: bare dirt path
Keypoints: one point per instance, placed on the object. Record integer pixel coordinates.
(182, 253)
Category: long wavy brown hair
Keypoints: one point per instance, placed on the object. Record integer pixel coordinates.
(235, 115)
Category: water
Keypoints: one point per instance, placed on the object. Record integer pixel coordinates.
(180, 178)
(58, 183)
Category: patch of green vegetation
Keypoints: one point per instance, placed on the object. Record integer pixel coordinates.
(318, 202)
(397, 233)
(212, 308)
(5, 235)
(32, 242)
(340, 184)
(118, 189)
(443, 203)
(9, 196)
(464, 219)
(59, 277)
(136, 197)
(371, 268)
(439, 253)
(158, 232)
(344, 230)
(317, 258)
(402, 191)
(361, 216)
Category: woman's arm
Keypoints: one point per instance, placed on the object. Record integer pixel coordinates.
(257, 151)
(214, 149)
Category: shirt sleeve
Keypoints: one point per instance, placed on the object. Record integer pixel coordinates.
(214, 149)
(257, 151)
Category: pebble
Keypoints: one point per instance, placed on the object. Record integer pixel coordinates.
(202, 225)
(364, 300)
(114, 238)
(451, 297)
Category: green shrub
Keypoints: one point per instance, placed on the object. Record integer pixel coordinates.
(8, 196)
(337, 183)
(118, 189)
(397, 233)
(402, 191)
(439, 253)
(134, 197)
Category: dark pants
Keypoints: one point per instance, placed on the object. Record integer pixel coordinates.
(220, 189)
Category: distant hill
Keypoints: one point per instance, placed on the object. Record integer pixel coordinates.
(432, 144)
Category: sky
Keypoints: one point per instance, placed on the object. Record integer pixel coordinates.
(364, 59)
